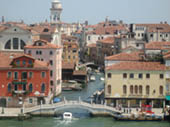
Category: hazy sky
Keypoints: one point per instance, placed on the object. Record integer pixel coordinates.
(130, 11)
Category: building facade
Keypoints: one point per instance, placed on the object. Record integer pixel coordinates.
(50, 53)
(24, 81)
(132, 84)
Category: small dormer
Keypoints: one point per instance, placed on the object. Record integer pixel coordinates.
(23, 62)
(39, 43)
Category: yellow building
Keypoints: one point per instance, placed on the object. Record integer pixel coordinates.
(131, 84)
(70, 52)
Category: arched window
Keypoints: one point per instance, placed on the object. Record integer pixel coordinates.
(43, 88)
(131, 89)
(109, 89)
(15, 43)
(161, 90)
(147, 90)
(140, 90)
(136, 89)
(22, 44)
(9, 87)
(8, 44)
(124, 89)
(30, 87)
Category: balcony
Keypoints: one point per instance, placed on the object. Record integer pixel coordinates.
(19, 82)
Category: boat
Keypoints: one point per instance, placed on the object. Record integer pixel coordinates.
(67, 116)
(102, 79)
(66, 89)
(92, 78)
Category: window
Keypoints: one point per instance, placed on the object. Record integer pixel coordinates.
(30, 74)
(51, 62)
(140, 76)
(43, 74)
(23, 62)
(137, 45)
(147, 75)
(109, 75)
(51, 83)
(131, 89)
(131, 75)
(40, 52)
(30, 100)
(109, 89)
(147, 90)
(43, 88)
(24, 87)
(68, 57)
(151, 35)
(140, 90)
(37, 52)
(15, 75)
(22, 44)
(30, 62)
(74, 57)
(161, 90)
(15, 43)
(89, 38)
(15, 87)
(125, 89)
(9, 87)
(161, 76)
(29, 52)
(30, 87)
(124, 75)
(9, 74)
(51, 52)
(74, 51)
(136, 89)
(18, 62)
(24, 75)
(51, 73)
(8, 44)
(160, 35)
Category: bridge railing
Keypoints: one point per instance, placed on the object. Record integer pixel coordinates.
(72, 104)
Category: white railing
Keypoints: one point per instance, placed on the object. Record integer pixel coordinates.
(70, 103)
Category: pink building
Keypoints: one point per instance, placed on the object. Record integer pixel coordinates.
(51, 53)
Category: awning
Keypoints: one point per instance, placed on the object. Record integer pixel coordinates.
(56, 100)
(168, 98)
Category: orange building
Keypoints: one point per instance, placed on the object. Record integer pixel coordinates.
(23, 80)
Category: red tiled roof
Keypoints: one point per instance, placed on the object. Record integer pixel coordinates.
(134, 56)
(109, 40)
(139, 66)
(158, 45)
(79, 72)
(68, 65)
(7, 58)
(163, 28)
(46, 45)
(91, 45)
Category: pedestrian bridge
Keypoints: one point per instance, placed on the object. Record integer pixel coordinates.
(53, 108)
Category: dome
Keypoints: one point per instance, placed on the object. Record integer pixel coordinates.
(57, 4)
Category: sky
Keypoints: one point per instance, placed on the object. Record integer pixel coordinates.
(130, 11)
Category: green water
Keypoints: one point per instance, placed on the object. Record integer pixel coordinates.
(82, 122)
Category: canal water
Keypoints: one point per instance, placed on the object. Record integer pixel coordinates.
(81, 117)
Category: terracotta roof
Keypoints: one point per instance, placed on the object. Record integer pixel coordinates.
(134, 56)
(7, 58)
(68, 65)
(138, 66)
(72, 44)
(108, 40)
(107, 30)
(163, 28)
(46, 45)
(92, 45)
(79, 72)
(158, 45)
